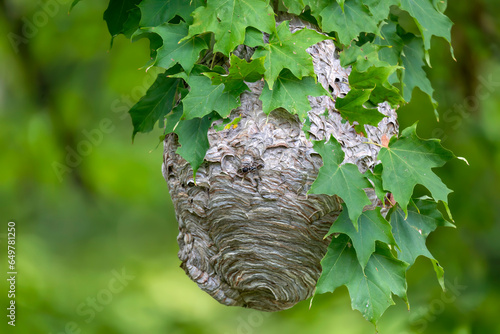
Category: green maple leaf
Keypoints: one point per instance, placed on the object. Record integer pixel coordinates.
(348, 22)
(380, 8)
(371, 76)
(344, 180)
(430, 21)
(440, 5)
(377, 79)
(287, 50)
(239, 71)
(413, 74)
(316, 6)
(370, 288)
(254, 37)
(291, 94)
(370, 228)
(159, 100)
(352, 108)
(340, 265)
(363, 57)
(117, 14)
(156, 12)
(411, 232)
(185, 53)
(155, 42)
(203, 97)
(368, 71)
(228, 19)
(376, 178)
(408, 161)
(193, 139)
(393, 43)
(387, 92)
(394, 47)
(173, 118)
(131, 25)
(294, 6)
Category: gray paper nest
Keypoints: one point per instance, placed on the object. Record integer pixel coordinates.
(249, 235)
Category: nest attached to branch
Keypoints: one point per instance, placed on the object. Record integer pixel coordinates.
(249, 235)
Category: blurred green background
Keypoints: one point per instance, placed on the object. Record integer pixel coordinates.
(63, 100)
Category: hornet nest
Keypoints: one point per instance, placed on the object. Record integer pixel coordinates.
(249, 235)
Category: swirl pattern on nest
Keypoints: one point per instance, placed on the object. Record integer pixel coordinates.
(249, 235)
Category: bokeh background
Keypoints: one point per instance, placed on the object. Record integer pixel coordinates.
(96, 232)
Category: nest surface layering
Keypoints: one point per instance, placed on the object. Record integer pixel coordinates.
(249, 235)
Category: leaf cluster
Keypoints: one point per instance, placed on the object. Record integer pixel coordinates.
(370, 253)
(211, 49)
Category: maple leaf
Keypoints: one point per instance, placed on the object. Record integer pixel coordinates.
(254, 37)
(344, 180)
(291, 94)
(352, 108)
(287, 50)
(204, 97)
(370, 228)
(375, 177)
(239, 71)
(429, 20)
(411, 232)
(348, 22)
(370, 77)
(363, 57)
(185, 53)
(156, 12)
(159, 100)
(408, 161)
(193, 139)
(228, 19)
(369, 72)
(117, 14)
(370, 288)
(393, 43)
(294, 6)
(380, 8)
(413, 74)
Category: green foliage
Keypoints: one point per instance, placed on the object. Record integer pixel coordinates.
(193, 138)
(348, 22)
(344, 180)
(157, 103)
(117, 14)
(364, 259)
(204, 97)
(429, 20)
(173, 51)
(287, 50)
(413, 74)
(239, 72)
(158, 12)
(369, 81)
(352, 107)
(228, 19)
(408, 161)
(291, 93)
(371, 287)
(196, 43)
(371, 227)
(411, 232)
